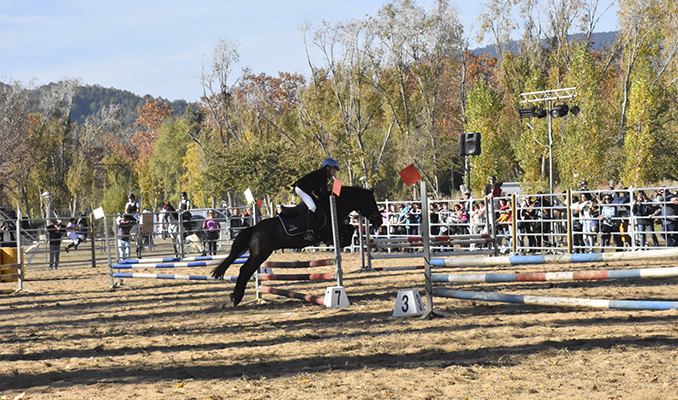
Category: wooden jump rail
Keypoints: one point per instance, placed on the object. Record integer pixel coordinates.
(298, 264)
(295, 277)
(294, 295)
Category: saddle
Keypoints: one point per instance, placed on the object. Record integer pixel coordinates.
(290, 217)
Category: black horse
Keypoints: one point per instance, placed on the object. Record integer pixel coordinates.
(271, 234)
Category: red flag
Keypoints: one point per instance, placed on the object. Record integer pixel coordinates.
(259, 203)
(409, 174)
(336, 187)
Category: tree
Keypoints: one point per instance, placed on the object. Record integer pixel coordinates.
(15, 152)
(217, 89)
(166, 165)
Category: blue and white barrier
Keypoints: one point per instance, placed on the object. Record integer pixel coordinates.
(173, 277)
(557, 301)
(176, 259)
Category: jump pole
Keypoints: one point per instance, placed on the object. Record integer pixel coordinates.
(176, 259)
(337, 243)
(558, 301)
(169, 265)
(559, 276)
(294, 295)
(173, 277)
(429, 313)
(298, 264)
(297, 277)
(553, 258)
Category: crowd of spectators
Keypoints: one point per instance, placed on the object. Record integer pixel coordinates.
(598, 219)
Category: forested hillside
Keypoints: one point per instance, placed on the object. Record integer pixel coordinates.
(91, 99)
(386, 91)
(599, 41)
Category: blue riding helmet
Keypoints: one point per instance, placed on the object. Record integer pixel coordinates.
(330, 162)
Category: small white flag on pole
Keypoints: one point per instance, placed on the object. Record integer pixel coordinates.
(98, 213)
(248, 196)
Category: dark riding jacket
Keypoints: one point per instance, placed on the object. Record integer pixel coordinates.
(315, 182)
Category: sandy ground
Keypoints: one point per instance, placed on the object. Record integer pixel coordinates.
(75, 338)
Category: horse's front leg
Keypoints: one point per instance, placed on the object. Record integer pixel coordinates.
(246, 271)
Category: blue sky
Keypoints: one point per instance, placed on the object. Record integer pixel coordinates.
(157, 47)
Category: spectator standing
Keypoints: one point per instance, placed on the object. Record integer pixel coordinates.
(504, 223)
(669, 212)
(622, 203)
(235, 222)
(434, 219)
(444, 215)
(577, 226)
(393, 220)
(414, 217)
(212, 227)
(127, 222)
(467, 203)
(478, 218)
(607, 216)
(643, 210)
(588, 214)
(55, 232)
(459, 221)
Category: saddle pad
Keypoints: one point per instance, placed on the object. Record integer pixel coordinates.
(292, 225)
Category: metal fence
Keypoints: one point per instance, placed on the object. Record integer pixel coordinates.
(571, 222)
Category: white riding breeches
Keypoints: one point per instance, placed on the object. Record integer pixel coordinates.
(308, 200)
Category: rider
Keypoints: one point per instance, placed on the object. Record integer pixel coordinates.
(185, 203)
(316, 183)
(132, 207)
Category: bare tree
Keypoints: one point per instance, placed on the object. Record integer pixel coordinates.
(57, 99)
(217, 89)
(420, 46)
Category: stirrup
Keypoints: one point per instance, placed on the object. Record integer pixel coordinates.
(309, 235)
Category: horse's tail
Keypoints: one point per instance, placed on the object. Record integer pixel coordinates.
(240, 245)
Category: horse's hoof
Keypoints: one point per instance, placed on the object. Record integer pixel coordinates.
(234, 301)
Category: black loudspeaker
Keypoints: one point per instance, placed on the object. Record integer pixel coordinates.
(462, 142)
(469, 144)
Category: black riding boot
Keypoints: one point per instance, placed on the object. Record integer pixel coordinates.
(309, 235)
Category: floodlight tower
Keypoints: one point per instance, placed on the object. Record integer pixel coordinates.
(551, 111)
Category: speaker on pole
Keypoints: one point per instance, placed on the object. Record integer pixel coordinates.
(469, 144)
(462, 144)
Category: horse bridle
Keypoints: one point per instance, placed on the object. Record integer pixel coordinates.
(374, 216)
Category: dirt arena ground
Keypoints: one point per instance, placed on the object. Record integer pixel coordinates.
(75, 338)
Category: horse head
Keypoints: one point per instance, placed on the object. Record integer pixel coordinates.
(361, 200)
(169, 213)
